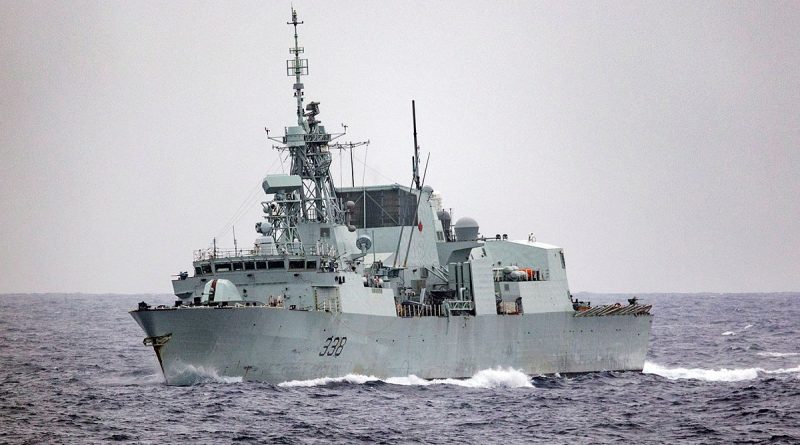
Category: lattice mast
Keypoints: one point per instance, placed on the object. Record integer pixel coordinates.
(308, 147)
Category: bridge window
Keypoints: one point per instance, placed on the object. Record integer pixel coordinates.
(222, 267)
(261, 265)
(249, 265)
(297, 264)
(388, 207)
(275, 264)
(312, 265)
(206, 268)
(238, 266)
(198, 270)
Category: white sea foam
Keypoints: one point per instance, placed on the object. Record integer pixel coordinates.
(709, 375)
(728, 333)
(794, 370)
(748, 326)
(713, 375)
(488, 378)
(779, 354)
(349, 378)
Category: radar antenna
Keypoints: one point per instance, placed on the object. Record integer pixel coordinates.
(349, 146)
(297, 67)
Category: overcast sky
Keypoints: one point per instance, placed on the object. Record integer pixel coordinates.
(658, 143)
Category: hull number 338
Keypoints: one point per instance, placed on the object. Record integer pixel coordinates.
(333, 346)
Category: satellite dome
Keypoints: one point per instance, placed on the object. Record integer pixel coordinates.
(427, 189)
(466, 229)
(219, 291)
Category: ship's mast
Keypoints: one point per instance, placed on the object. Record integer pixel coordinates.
(300, 68)
(307, 143)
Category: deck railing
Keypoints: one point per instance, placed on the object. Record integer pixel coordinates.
(437, 310)
(262, 251)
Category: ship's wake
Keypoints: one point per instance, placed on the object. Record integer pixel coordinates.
(487, 378)
(714, 375)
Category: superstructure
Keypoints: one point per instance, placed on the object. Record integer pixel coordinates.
(376, 280)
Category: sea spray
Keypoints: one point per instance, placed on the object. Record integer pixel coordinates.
(187, 374)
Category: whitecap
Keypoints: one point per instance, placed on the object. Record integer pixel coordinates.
(779, 354)
(708, 375)
(796, 369)
(410, 380)
(728, 333)
(356, 379)
(487, 378)
(748, 326)
(712, 375)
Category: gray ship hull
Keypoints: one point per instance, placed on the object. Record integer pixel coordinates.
(277, 345)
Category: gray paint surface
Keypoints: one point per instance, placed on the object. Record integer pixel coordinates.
(277, 345)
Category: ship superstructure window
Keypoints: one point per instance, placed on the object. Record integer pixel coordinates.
(311, 265)
(324, 232)
(222, 267)
(385, 207)
(238, 265)
(261, 265)
(297, 264)
(249, 265)
(198, 270)
(276, 264)
(206, 268)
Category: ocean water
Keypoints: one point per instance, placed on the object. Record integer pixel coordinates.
(721, 369)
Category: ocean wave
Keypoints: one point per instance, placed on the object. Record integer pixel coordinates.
(144, 376)
(487, 378)
(726, 333)
(355, 379)
(778, 354)
(713, 375)
(155, 378)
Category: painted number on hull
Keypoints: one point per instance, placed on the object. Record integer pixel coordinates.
(333, 346)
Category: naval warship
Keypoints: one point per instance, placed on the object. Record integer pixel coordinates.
(377, 280)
